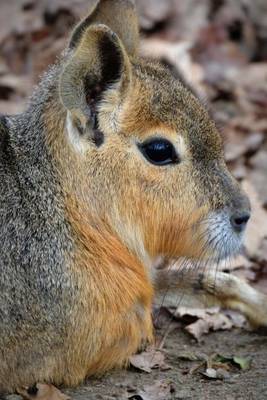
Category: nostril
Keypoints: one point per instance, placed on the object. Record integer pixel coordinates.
(239, 221)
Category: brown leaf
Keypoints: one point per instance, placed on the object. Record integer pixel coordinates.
(198, 328)
(208, 319)
(160, 390)
(148, 360)
(44, 392)
(215, 322)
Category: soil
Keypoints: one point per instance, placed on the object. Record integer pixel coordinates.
(242, 385)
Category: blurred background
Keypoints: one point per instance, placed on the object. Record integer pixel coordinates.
(220, 48)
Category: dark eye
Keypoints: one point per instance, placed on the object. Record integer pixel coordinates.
(159, 152)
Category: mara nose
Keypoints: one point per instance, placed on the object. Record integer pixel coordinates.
(239, 220)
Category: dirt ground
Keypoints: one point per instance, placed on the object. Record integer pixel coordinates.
(241, 385)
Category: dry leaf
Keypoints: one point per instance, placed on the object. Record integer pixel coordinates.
(44, 392)
(215, 322)
(148, 360)
(160, 390)
(208, 319)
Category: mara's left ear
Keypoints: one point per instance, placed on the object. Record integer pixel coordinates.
(98, 63)
(100, 48)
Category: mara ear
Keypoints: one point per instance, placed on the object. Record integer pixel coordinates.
(98, 64)
(119, 15)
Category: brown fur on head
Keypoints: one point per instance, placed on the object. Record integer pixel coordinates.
(120, 111)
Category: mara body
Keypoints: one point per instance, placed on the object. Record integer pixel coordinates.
(113, 164)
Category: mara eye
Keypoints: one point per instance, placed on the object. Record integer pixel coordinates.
(159, 152)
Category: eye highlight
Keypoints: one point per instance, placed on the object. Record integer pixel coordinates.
(159, 152)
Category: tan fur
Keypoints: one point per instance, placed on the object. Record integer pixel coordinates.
(115, 289)
(122, 304)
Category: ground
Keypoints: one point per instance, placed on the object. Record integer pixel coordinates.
(242, 385)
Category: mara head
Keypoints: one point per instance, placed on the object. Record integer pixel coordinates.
(151, 158)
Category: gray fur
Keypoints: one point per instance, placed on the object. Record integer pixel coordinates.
(34, 239)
